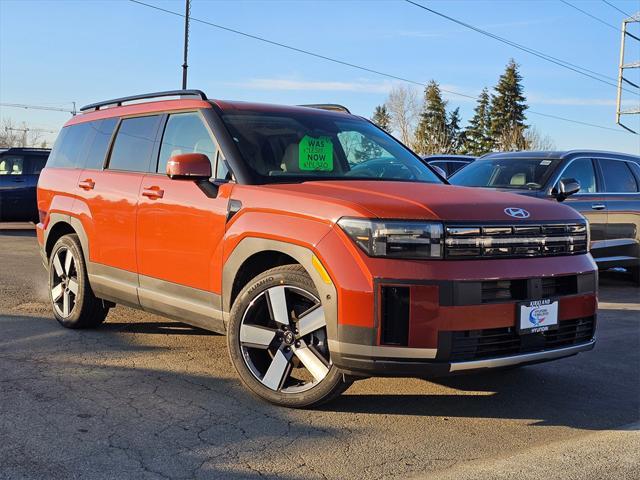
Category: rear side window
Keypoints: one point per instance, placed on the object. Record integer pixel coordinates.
(133, 145)
(11, 165)
(71, 146)
(185, 133)
(98, 151)
(618, 177)
(36, 164)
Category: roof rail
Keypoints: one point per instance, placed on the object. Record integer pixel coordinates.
(169, 93)
(334, 107)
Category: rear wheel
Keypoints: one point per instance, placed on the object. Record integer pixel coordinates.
(635, 275)
(278, 340)
(74, 304)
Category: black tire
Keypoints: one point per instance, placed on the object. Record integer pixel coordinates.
(635, 275)
(296, 279)
(79, 309)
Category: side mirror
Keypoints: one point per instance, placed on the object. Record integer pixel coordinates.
(565, 188)
(189, 166)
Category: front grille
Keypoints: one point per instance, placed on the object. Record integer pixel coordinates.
(522, 289)
(508, 241)
(500, 342)
(503, 290)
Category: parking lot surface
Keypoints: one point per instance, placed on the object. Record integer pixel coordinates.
(144, 397)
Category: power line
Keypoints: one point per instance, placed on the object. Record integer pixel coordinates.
(562, 63)
(574, 121)
(584, 12)
(616, 8)
(40, 107)
(352, 65)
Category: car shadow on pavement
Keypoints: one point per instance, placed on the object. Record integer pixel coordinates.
(164, 328)
(538, 394)
(17, 233)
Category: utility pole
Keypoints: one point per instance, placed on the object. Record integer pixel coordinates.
(624, 65)
(186, 43)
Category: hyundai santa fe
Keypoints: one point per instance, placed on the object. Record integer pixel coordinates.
(324, 249)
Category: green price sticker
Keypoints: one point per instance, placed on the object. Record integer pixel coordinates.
(315, 154)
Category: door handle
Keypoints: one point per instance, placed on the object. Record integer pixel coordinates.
(153, 192)
(18, 180)
(87, 184)
(598, 206)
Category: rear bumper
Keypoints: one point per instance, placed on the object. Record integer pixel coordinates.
(396, 367)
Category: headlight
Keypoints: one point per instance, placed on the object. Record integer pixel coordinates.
(395, 238)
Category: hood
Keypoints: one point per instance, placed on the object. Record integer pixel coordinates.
(412, 200)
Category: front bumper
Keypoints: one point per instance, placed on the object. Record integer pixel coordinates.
(397, 367)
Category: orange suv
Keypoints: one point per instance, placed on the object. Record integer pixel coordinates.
(324, 249)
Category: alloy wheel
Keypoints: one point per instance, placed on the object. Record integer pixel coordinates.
(283, 339)
(64, 282)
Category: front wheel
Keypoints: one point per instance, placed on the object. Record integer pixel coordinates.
(278, 340)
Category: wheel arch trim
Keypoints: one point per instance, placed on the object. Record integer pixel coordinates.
(303, 255)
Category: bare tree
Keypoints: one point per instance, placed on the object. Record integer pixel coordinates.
(13, 135)
(537, 141)
(403, 106)
(511, 140)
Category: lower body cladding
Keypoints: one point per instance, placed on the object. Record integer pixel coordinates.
(430, 329)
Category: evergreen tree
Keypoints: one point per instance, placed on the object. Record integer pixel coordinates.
(477, 138)
(432, 132)
(382, 118)
(508, 105)
(455, 135)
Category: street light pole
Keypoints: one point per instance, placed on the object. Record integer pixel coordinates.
(186, 43)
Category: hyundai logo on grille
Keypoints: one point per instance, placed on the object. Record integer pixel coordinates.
(517, 212)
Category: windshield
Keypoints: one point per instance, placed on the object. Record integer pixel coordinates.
(319, 146)
(517, 173)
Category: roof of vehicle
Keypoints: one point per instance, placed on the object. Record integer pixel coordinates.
(430, 158)
(187, 99)
(558, 154)
(25, 150)
(113, 109)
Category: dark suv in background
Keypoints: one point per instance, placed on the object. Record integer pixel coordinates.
(19, 172)
(449, 164)
(603, 186)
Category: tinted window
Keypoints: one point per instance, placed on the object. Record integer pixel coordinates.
(134, 143)
(185, 133)
(70, 148)
(617, 177)
(11, 165)
(98, 151)
(582, 171)
(455, 166)
(443, 165)
(36, 164)
(505, 172)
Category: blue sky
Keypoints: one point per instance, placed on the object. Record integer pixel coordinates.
(52, 52)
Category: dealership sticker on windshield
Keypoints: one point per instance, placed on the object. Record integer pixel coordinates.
(315, 154)
(538, 316)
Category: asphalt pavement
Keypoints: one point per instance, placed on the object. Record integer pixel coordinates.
(147, 398)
